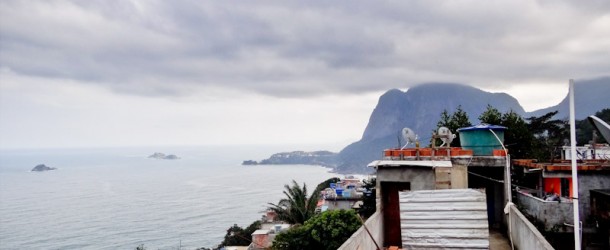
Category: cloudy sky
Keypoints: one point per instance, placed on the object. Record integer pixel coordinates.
(124, 73)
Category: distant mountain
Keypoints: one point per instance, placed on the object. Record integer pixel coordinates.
(590, 96)
(419, 108)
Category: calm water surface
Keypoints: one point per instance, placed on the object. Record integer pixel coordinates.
(119, 199)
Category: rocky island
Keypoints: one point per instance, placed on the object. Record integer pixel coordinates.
(249, 162)
(323, 158)
(162, 156)
(41, 168)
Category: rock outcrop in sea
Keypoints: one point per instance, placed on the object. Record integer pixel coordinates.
(163, 156)
(249, 162)
(41, 168)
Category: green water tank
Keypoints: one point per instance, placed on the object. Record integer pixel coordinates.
(480, 139)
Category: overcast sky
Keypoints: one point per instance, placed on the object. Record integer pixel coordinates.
(123, 73)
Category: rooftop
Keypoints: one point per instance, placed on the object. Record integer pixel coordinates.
(432, 156)
(564, 165)
(413, 162)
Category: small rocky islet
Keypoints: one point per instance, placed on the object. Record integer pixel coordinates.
(42, 168)
(163, 156)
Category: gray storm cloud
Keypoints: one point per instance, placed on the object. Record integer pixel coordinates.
(292, 48)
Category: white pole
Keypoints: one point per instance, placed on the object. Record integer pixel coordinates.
(509, 193)
(574, 169)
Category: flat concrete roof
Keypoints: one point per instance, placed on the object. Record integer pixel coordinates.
(413, 163)
(236, 248)
(261, 231)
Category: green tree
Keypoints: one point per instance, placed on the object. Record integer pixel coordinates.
(295, 238)
(331, 228)
(328, 230)
(458, 119)
(585, 130)
(297, 207)
(445, 120)
(517, 138)
(369, 201)
(491, 116)
(237, 236)
(326, 184)
(548, 134)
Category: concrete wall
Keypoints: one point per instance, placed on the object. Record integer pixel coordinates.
(455, 177)
(421, 178)
(336, 204)
(361, 240)
(552, 214)
(524, 235)
(459, 176)
(588, 180)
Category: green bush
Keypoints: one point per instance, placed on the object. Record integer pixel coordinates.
(237, 236)
(332, 228)
(327, 230)
(295, 238)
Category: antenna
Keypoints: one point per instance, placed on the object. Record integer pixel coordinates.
(446, 136)
(409, 136)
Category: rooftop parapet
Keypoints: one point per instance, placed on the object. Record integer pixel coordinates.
(456, 155)
(564, 165)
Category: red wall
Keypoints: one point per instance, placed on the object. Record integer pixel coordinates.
(553, 185)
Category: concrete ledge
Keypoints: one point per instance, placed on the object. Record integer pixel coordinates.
(524, 234)
(480, 161)
(553, 214)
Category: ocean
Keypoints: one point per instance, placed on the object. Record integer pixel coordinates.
(117, 198)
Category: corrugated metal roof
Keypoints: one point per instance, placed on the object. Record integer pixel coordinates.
(444, 219)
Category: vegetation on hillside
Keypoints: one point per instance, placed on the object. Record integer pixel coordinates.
(327, 230)
(369, 201)
(584, 133)
(237, 236)
(297, 207)
(549, 134)
(323, 185)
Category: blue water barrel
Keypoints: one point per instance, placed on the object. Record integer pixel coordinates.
(339, 191)
(480, 139)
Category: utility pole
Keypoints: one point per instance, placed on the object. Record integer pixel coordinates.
(574, 169)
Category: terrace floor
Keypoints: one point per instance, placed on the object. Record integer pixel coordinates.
(497, 241)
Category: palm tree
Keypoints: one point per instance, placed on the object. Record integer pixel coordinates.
(296, 208)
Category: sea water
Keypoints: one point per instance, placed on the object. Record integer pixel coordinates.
(119, 198)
